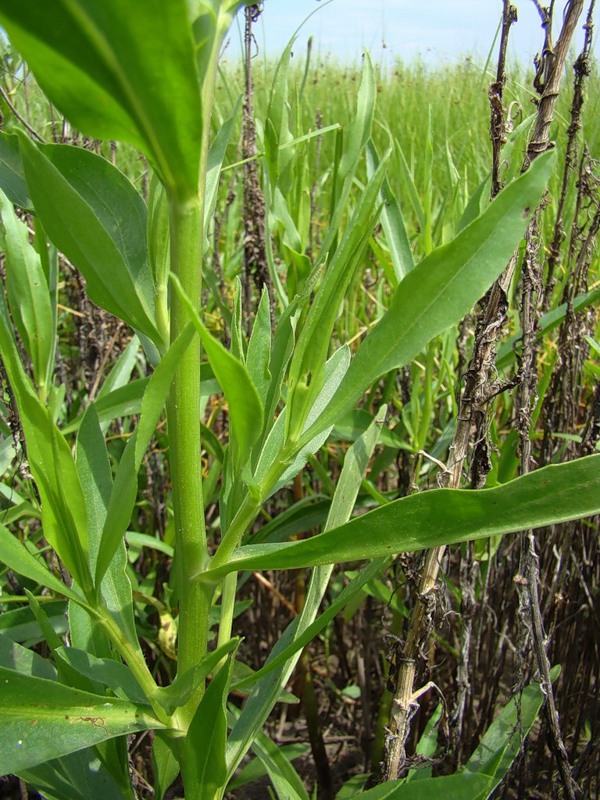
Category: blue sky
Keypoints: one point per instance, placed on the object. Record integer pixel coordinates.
(437, 30)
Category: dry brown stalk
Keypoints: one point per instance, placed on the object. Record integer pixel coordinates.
(531, 290)
(549, 75)
(481, 385)
(256, 269)
(582, 68)
(498, 113)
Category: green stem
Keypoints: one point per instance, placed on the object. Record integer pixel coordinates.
(250, 508)
(133, 659)
(183, 415)
(245, 516)
(186, 218)
(227, 610)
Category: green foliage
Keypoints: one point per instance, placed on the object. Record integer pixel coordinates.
(99, 67)
(42, 720)
(290, 386)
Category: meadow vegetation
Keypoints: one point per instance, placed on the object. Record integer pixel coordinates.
(300, 432)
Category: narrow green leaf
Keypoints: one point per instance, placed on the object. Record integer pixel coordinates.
(95, 475)
(159, 239)
(355, 423)
(53, 640)
(77, 776)
(507, 352)
(96, 218)
(97, 63)
(164, 763)
(121, 402)
(504, 738)
(51, 463)
(392, 222)
(17, 557)
(359, 131)
(41, 720)
(335, 369)
(12, 179)
(281, 351)
(259, 348)
(28, 293)
(308, 360)
(284, 777)
(120, 373)
(105, 671)
(442, 288)
(204, 769)
(271, 452)
(124, 491)
(461, 786)
(284, 656)
(554, 494)
(486, 767)
(21, 626)
(277, 129)
(23, 660)
(177, 694)
(408, 182)
(245, 407)
(216, 156)
(254, 769)
(476, 204)
(294, 642)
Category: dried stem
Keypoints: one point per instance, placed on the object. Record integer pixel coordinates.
(481, 385)
(498, 113)
(256, 270)
(582, 69)
(549, 74)
(531, 281)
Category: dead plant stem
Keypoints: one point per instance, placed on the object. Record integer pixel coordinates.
(481, 386)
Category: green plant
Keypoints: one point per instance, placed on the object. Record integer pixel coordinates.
(144, 262)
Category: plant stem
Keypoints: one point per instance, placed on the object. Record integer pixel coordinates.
(245, 516)
(227, 610)
(249, 509)
(132, 658)
(183, 414)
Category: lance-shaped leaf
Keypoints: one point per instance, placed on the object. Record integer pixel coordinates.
(95, 476)
(77, 776)
(354, 140)
(17, 557)
(97, 62)
(392, 222)
(216, 156)
(308, 360)
(439, 517)
(124, 490)
(460, 786)
(28, 293)
(486, 767)
(204, 768)
(96, 218)
(441, 289)
(42, 719)
(245, 406)
(12, 178)
(63, 507)
(286, 652)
